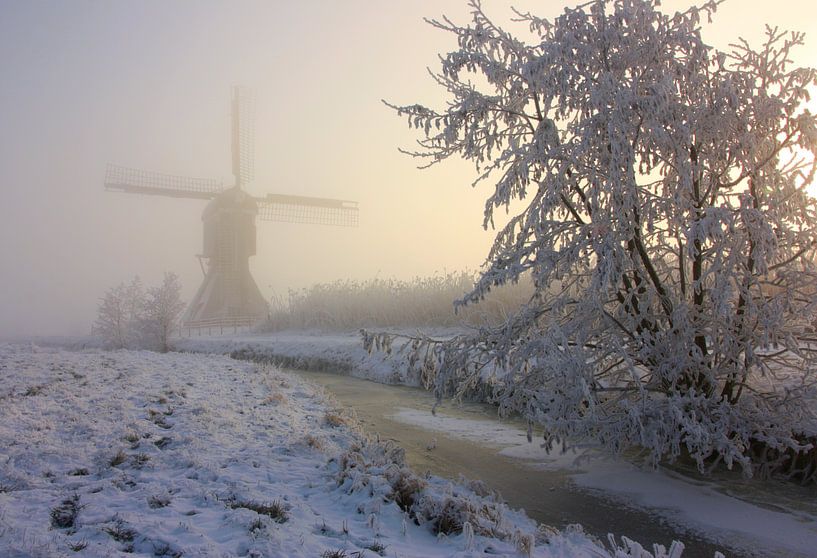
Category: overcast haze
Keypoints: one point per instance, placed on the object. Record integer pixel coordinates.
(146, 84)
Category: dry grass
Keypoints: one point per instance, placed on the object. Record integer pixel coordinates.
(162, 442)
(276, 510)
(64, 515)
(275, 399)
(422, 301)
(314, 442)
(158, 501)
(378, 548)
(34, 390)
(139, 460)
(121, 532)
(335, 420)
(406, 487)
(78, 546)
(118, 459)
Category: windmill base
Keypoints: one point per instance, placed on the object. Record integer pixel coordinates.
(226, 298)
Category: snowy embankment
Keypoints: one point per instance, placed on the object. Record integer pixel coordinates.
(750, 520)
(106, 453)
(759, 518)
(341, 353)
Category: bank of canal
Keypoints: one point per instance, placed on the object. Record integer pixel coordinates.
(548, 496)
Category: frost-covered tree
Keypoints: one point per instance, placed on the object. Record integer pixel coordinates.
(119, 313)
(160, 316)
(111, 321)
(129, 317)
(657, 196)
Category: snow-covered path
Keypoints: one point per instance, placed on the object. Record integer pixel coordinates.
(106, 454)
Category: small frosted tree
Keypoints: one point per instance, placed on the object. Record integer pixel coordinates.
(665, 222)
(160, 316)
(119, 314)
(111, 321)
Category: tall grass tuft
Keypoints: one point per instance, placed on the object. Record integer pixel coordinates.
(422, 301)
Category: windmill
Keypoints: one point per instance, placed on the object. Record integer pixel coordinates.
(228, 295)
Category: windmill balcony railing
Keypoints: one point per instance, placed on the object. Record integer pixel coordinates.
(217, 326)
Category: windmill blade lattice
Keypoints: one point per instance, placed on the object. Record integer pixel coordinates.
(302, 209)
(135, 181)
(243, 145)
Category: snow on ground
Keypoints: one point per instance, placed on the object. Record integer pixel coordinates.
(702, 506)
(136, 453)
(698, 505)
(332, 352)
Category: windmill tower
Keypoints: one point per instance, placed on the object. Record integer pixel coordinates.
(228, 295)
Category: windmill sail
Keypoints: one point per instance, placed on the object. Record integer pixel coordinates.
(243, 144)
(302, 209)
(135, 181)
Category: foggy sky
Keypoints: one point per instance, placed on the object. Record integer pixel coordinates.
(147, 83)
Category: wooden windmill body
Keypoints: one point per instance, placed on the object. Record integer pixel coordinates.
(228, 295)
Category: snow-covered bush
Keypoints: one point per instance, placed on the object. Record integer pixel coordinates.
(119, 313)
(657, 189)
(129, 317)
(160, 317)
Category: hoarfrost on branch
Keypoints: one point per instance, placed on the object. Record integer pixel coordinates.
(664, 220)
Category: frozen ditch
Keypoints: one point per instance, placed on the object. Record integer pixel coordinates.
(605, 497)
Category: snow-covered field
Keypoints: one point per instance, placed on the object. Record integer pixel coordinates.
(138, 453)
